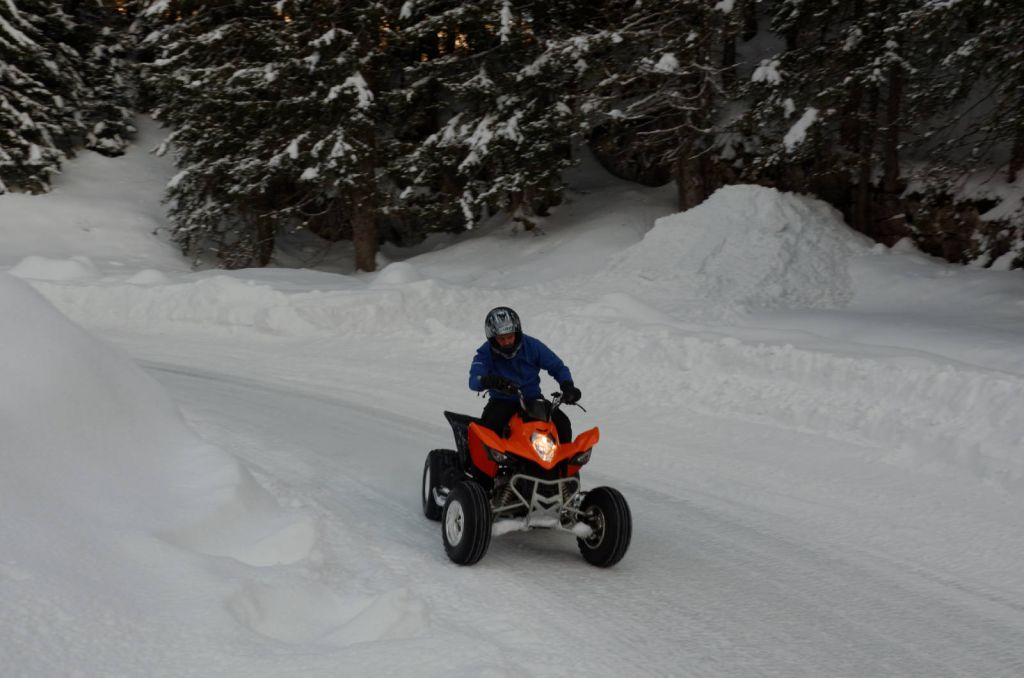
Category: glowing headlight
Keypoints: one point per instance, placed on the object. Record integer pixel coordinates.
(543, 445)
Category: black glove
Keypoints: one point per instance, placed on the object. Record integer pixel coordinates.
(570, 394)
(499, 383)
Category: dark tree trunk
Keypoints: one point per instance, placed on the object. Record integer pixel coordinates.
(862, 192)
(729, 61)
(728, 30)
(889, 210)
(850, 125)
(364, 218)
(1016, 157)
(687, 174)
(264, 244)
(332, 222)
(364, 193)
(891, 140)
(1017, 152)
(255, 246)
(749, 10)
(364, 235)
(792, 39)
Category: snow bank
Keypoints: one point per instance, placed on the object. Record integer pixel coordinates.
(91, 444)
(746, 247)
(751, 247)
(398, 273)
(920, 411)
(44, 268)
(149, 276)
(922, 408)
(227, 304)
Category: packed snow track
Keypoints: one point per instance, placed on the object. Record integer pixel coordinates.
(722, 579)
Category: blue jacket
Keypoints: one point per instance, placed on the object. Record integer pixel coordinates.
(523, 368)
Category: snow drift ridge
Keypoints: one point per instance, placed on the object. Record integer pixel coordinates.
(88, 434)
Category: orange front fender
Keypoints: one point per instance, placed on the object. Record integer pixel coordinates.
(481, 437)
(585, 440)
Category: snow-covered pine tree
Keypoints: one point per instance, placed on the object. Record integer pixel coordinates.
(975, 69)
(102, 39)
(970, 101)
(789, 145)
(662, 82)
(497, 83)
(212, 78)
(63, 85)
(337, 121)
(280, 121)
(830, 111)
(40, 89)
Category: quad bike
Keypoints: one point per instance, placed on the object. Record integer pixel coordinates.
(491, 485)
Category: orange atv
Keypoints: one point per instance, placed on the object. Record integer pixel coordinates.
(493, 485)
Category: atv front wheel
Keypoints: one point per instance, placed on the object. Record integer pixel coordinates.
(436, 472)
(606, 512)
(466, 523)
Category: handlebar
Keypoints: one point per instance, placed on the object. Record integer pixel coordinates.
(556, 398)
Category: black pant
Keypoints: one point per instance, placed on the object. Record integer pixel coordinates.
(498, 412)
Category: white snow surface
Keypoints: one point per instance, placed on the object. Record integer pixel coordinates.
(217, 473)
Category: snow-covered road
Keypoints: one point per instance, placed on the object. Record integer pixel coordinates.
(820, 439)
(827, 568)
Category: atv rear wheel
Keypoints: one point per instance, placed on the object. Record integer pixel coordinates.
(466, 523)
(436, 473)
(606, 512)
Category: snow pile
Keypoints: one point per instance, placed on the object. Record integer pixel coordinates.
(87, 430)
(102, 486)
(750, 247)
(90, 441)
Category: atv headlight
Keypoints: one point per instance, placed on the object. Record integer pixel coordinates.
(543, 445)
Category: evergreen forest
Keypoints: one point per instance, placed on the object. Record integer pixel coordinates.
(380, 121)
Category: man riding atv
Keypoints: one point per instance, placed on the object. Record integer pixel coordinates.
(508, 363)
(518, 468)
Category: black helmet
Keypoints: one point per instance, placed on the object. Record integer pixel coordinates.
(503, 320)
